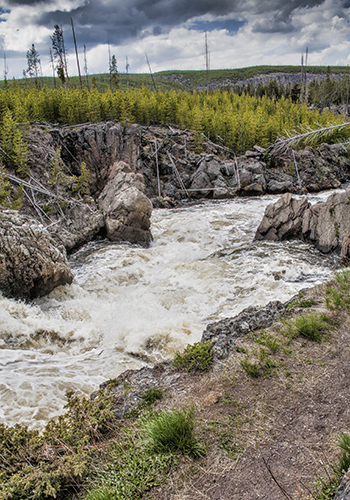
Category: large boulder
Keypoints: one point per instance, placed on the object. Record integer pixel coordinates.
(126, 208)
(282, 220)
(327, 224)
(31, 263)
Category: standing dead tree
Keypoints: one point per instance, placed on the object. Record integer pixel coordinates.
(60, 55)
(33, 64)
(76, 53)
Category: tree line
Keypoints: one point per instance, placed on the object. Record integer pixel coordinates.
(238, 121)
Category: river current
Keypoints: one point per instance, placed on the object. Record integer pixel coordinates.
(129, 306)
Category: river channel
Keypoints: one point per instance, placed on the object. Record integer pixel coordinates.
(129, 306)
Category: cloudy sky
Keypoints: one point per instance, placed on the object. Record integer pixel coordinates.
(240, 32)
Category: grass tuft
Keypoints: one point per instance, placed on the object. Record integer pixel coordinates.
(174, 432)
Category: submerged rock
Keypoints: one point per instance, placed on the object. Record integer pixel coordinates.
(31, 263)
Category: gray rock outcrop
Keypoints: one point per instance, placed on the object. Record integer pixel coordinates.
(81, 224)
(282, 220)
(224, 332)
(325, 224)
(125, 207)
(31, 263)
(127, 390)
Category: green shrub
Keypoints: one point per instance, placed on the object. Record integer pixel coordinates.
(56, 463)
(198, 356)
(174, 432)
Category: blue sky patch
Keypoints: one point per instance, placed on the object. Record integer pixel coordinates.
(231, 25)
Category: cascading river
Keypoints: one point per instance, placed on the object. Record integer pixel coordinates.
(129, 306)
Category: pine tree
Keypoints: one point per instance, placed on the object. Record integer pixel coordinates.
(59, 54)
(33, 63)
(13, 150)
(113, 72)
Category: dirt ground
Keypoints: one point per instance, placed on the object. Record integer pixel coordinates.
(269, 437)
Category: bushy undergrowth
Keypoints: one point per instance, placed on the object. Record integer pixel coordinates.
(198, 356)
(174, 432)
(56, 463)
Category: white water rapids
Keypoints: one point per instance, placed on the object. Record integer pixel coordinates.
(129, 306)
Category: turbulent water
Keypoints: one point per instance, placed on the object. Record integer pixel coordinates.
(129, 306)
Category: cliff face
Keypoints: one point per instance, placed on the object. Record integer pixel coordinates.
(179, 164)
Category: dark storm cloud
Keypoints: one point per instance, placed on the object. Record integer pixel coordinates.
(281, 20)
(119, 20)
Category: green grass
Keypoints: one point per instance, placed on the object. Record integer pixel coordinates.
(251, 369)
(338, 296)
(268, 341)
(327, 488)
(310, 326)
(174, 432)
(152, 395)
(128, 469)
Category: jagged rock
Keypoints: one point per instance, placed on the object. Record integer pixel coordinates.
(275, 187)
(343, 492)
(345, 252)
(223, 332)
(126, 208)
(325, 224)
(31, 263)
(282, 220)
(82, 224)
